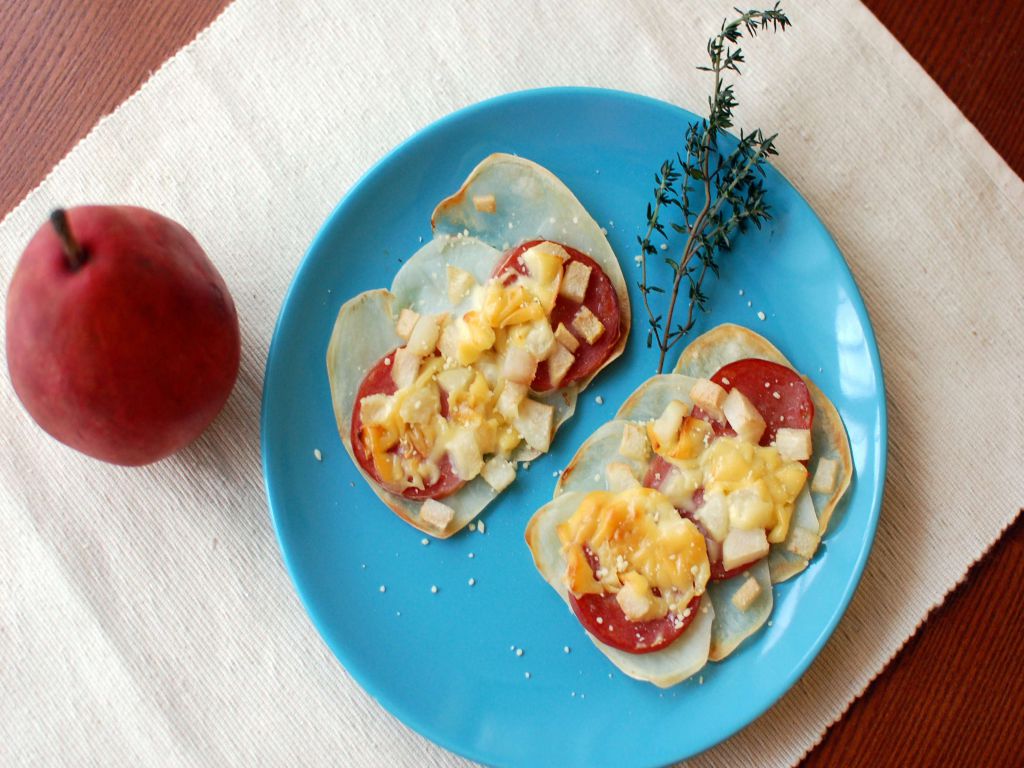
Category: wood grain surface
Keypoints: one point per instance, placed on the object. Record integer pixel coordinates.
(955, 694)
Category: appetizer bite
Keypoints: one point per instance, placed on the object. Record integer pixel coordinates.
(672, 522)
(477, 353)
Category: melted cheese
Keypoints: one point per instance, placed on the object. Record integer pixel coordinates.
(641, 543)
(482, 362)
(746, 486)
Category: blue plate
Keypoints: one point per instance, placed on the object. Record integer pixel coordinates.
(443, 662)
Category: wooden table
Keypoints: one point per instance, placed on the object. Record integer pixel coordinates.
(955, 694)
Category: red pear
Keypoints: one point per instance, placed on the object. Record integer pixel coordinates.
(122, 338)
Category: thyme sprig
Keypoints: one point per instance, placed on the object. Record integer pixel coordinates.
(732, 185)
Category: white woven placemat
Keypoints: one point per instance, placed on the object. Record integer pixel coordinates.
(145, 615)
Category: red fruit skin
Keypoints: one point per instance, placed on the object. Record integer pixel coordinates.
(129, 357)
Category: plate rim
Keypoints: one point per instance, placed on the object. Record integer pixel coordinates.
(394, 705)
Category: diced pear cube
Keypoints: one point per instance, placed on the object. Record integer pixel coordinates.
(559, 363)
(519, 365)
(825, 476)
(745, 596)
(423, 338)
(743, 417)
(751, 507)
(512, 394)
(565, 337)
(406, 322)
(803, 542)
(679, 484)
(540, 339)
(634, 443)
(534, 423)
(375, 409)
(587, 323)
(498, 472)
(664, 431)
(464, 453)
(420, 406)
(436, 514)
(741, 547)
(620, 477)
(404, 366)
(575, 279)
(709, 397)
(460, 283)
(713, 514)
(455, 379)
(485, 203)
(633, 597)
(793, 444)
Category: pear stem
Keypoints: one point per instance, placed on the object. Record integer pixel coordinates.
(72, 250)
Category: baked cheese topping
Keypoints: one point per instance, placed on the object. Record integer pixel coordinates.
(482, 362)
(641, 544)
(746, 486)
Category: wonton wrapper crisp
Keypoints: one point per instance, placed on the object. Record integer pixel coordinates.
(527, 196)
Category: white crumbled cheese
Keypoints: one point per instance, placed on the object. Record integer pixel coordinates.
(575, 279)
(709, 397)
(745, 596)
(803, 542)
(526, 675)
(566, 649)
(406, 322)
(433, 590)
(499, 472)
(599, 400)
(588, 324)
(425, 541)
(481, 527)
(776, 395)
(565, 337)
(472, 581)
(436, 514)
(534, 423)
(825, 476)
(741, 291)
(519, 651)
(743, 416)
(793, 444)
(760, 315)
(559, 363)
(620, 477)
(486, 204)
(460, 283)
(741, 547)
(634, 443)
(317, 455)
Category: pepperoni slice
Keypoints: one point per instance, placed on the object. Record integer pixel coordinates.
(602, 616)
(378, 381)
(760, 381)
(600, 299)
